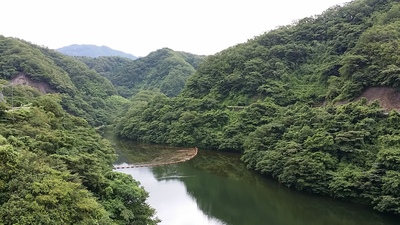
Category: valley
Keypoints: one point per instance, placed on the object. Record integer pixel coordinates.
(311, 108)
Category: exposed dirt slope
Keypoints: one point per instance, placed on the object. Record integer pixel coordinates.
(389, 98)
(23, 79)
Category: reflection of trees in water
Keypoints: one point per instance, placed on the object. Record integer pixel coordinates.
(167, 172)
(137, 153)
(225, 189)
(221, 189)
(222, 164)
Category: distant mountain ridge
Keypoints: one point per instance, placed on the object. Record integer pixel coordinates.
(93, 51)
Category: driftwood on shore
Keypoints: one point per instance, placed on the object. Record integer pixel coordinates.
(187, 157)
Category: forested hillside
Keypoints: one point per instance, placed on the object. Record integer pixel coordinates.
(164, 70)
(286, 100)
(106, 66)
(84, 92)
(54, 167)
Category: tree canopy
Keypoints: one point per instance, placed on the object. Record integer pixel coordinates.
(163, 70)
(55, 168)
(289, 100)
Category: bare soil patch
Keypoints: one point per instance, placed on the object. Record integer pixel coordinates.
(23, 79)
(389, 98)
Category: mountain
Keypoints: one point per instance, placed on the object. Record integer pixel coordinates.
(93, 51)
(54, 165)
(290, 101)
(83, 90)
(163, 70)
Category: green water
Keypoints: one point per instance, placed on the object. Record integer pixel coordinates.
(216, 188)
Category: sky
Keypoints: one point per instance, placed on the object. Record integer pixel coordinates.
(202, 27)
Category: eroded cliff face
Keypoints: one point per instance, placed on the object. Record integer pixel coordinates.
(23, 79)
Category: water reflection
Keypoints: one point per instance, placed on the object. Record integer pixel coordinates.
(169, 196)
(216, 188)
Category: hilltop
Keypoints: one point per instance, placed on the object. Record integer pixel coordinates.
(163, 70)
(93, 51)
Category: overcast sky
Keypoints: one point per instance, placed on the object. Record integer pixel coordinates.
(139, 27)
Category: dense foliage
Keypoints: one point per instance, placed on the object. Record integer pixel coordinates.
(84, 92)
(349, 151)
(54, 167)
(106, 66)
(285, 99)
(164, 70)
(334, 56)
(281, 99)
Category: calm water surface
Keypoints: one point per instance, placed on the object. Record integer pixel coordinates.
(216, 188)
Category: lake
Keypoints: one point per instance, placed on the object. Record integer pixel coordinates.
(216, 188)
